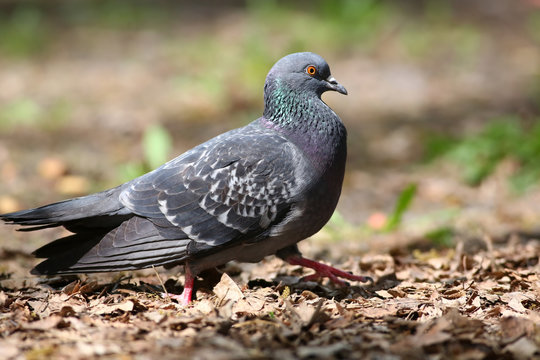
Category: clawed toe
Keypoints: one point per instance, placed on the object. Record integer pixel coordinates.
(322, 270)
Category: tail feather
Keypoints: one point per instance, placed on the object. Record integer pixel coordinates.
(78, 255)
(74, 245)
(107, 236)
(88, 211)
(135, 244)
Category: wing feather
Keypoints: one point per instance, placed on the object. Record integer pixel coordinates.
(215, 197)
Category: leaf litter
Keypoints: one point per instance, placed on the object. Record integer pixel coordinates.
(433, 304)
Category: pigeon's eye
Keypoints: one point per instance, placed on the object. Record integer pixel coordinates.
(311, 70)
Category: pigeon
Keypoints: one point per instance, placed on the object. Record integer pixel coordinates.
(246, 194)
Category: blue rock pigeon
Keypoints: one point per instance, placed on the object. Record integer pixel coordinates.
(243, 195)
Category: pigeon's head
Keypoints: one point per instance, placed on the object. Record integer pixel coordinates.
(303, 72)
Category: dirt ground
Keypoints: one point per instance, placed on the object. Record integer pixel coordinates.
(466, 303)
(458, 278)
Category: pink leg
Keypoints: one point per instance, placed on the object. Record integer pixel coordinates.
(322, 270)
(185, 297)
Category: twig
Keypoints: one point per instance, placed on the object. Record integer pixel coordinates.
(161, 282)
(489, 245)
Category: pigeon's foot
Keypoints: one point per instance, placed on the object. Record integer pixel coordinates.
(322, 270)
(185, 297)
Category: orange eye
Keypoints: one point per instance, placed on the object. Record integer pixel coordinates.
(311, 70)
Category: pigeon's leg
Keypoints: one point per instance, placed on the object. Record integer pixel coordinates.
(322, 270)
(185, 297)
(292, 255)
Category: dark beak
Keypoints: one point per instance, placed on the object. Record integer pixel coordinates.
(332, 84)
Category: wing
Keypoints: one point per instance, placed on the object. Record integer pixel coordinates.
(232, 188)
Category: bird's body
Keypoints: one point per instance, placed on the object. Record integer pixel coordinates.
(243, 195)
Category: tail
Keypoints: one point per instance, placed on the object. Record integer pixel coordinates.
(107, 236)
(136, 243)
(101, 210)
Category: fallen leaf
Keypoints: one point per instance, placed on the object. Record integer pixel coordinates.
(10, 350)
(103, 309)
(227, 289)
(514, 327)
(307, 312)
(379, 312)
(155, 316)
(3, 298)
(48, 323)
(514, 301)
(338, 350)
(384, 294)
(66, 311)
(433, 333)
(248, 306)
(204, 306)
(516, 304)
(524, 348)
(88, 287)
(309, 295)
(72, 287)
(188, 332)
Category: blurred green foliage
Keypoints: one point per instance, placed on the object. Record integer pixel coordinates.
(338, 228)
(25, 112)
(23, 32)
(533, 24)
(156, 146)
(20, 112)
(478, 155)
(25, 28)
(417, 30)
(324, 24)
(402, 204)
(442, 236)
(29, 27)
(32, 28)
(115, 14)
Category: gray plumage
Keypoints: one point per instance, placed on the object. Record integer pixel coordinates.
(245, 194)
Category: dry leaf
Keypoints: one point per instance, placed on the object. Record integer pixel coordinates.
(407, 319)
(377, 313)
(48, 323)
(338, 350)
(384, 294)
(514, 301)
(227, 289)
(155, 316)
(437, 333)
(514, 327)
(204, 306)
(103, 309)
(524, 348)
(9, 348)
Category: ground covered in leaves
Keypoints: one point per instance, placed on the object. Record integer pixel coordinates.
(465, 303)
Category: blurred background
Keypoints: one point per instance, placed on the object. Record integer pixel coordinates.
(443, 106)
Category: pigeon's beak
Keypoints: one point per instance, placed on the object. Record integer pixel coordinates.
(332, 84)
